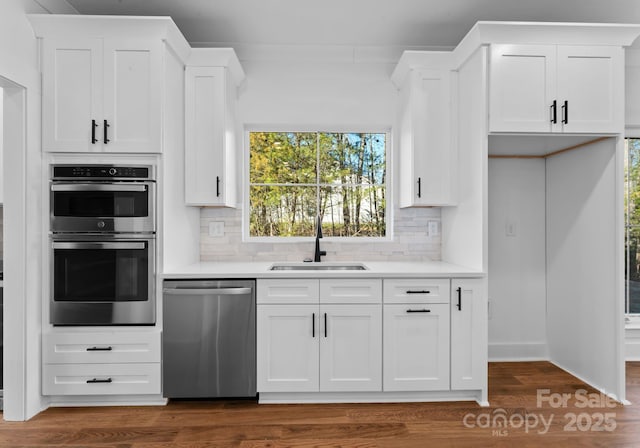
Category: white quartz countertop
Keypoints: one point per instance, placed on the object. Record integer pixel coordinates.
(261, 269)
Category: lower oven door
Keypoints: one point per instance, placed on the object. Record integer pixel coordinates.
(102, 281)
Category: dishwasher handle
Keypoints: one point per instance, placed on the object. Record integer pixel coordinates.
(237, 291)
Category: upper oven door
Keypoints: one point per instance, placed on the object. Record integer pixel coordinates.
(103, 207)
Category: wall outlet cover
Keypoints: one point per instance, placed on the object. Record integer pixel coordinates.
(216, 229)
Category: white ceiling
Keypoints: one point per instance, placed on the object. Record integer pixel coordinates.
(408, 23)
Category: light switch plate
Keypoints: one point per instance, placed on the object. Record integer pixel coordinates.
(216, 229)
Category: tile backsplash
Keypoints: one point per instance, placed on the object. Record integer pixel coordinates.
(411, 241)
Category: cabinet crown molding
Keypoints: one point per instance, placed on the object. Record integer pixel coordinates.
(125, 27)
(218, 57)
(553, 33)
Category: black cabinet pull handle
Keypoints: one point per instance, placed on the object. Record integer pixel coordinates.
(217, 186)
(554, 112)
(106, 132)
(419, 187)
(565, 112)
(99, 349)
(459, 304)
(419, 311)
(97, 381)
(313, 325)
(325, 325)
(422, 291)
(94, 125)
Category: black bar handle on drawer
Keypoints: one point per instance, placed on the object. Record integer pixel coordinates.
(99, 380)
(554, 112)
(419, 311)
(419, 187)
(565, 112)
(313, 325)
(99, 349)
(94, 125)
(217, 186)
(420, 291)
(459, 304)
(325, 325)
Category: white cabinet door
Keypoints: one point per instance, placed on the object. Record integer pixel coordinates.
(426, 152)
(71, 94)
(210, 137)
(102, 95)
(351, 348)
(416, 347)
(522, 88)
(591, 88)
(556, 88)
(287, 348)
(132, 96)
(468, 334)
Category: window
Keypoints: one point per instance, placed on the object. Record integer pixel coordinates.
(296, 176)
(632, 224)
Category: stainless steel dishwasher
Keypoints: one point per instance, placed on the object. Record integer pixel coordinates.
(209, 339)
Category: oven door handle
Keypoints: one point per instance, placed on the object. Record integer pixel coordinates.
(98, 245)
(207, 291)
(98, 187)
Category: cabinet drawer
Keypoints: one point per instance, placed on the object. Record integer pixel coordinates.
(350, 291)
(419, 290)
(284, 291)
(101, 379)
(101, 348)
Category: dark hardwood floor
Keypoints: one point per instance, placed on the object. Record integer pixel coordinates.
(521, 415)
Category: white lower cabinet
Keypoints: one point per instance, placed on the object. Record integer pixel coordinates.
(469, 343)
(324, 347)
(101, 363)
(101, 379)
(412, 339)
(351, 348)
(416, 347)
(287, 348)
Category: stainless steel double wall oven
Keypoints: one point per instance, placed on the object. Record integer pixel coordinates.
(102, 245)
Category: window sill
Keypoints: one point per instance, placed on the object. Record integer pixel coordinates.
(632, 322)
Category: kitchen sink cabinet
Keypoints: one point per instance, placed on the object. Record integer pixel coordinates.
(556, 89)
(468, 334)
(427, 151)
(287, 348)
(320, 347)
(101, 95)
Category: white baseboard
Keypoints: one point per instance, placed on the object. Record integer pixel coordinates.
(632, 344)
(518, 352)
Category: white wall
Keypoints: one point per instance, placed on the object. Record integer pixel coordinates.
(22, 211)
(517, 279)
(584, 279)
(325, 88)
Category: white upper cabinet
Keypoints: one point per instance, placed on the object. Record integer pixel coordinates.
(427, 152)
(103, 82)
(101, 95)
(211, 130)
(556, 89)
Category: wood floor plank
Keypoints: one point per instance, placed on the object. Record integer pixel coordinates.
(514, 390)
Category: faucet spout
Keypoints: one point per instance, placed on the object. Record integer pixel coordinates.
(318, 253)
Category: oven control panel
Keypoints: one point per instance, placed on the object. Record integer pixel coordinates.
(95, 172)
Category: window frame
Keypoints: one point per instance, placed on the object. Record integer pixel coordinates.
(389, 196)
(632, 320)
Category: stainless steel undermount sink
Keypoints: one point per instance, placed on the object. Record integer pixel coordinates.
(318, 267)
